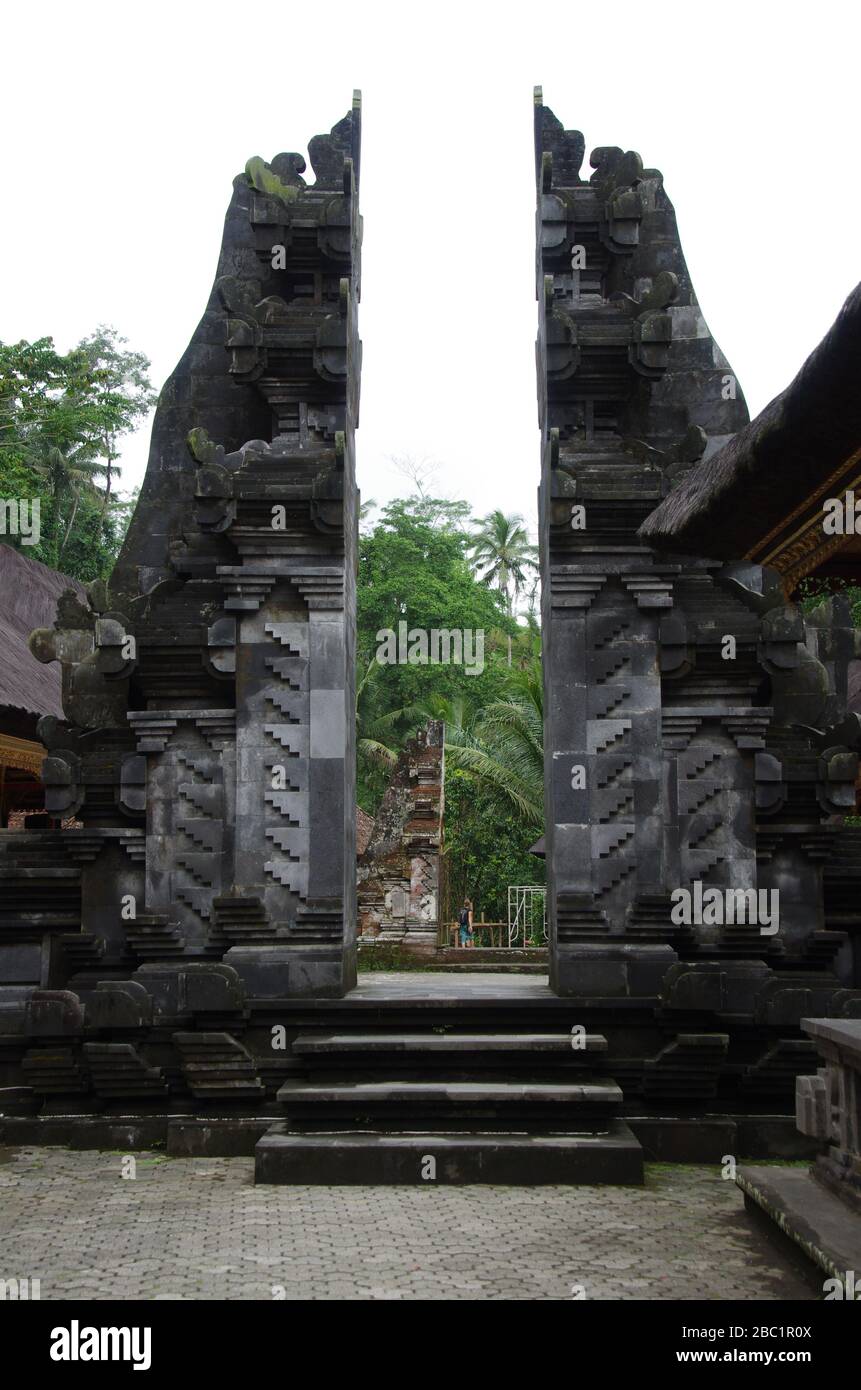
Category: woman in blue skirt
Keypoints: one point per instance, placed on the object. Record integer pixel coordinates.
(466, 923)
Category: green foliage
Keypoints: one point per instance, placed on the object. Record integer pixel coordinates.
(62, 417)
(114, 389)
(486, 849)
(500, 746)
(380, 733)
(813, 591)
(503, 556)
(390, 956)
(413, 568)
(34, 399)
(96, 539)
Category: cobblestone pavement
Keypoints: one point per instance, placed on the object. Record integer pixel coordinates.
(200, 1229)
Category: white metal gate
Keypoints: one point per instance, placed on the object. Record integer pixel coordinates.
(527, 915)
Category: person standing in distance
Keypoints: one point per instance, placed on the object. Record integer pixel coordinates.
(466, 923)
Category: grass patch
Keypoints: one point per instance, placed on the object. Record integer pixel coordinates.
(391, 957)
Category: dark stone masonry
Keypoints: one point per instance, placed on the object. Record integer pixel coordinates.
(208, 692)
(696, 730)
(179, 965)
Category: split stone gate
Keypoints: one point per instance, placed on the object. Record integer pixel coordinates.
(207, 754)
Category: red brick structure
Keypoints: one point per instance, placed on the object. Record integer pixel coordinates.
(399, 870)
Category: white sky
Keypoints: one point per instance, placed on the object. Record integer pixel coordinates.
(125, 124)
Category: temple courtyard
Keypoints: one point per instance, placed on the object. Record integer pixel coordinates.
(185, 1228)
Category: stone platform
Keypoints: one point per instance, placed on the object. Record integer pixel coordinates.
(373, 1159)
(363, 1064)
(385, 1104)
(811, 1216)
(820, 1209)
(389, 987)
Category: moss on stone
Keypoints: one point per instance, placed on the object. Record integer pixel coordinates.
(200, 445)
(262, 178)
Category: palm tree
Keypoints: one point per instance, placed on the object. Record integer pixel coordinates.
(381, 730)
(502, 554)
(501, 745)
(68, 472)
(365, 509)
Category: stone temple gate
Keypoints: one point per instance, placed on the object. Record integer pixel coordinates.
(179, 964)
(676, 687)
(209, 750)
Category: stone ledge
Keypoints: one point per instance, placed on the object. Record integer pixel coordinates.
(372, 1159)
(823, 1226)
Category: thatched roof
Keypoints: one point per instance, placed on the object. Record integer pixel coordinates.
(28, 599)
(733, 500)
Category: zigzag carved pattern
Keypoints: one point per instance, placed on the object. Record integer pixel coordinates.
(715, 822)
(621, 840)
(615, 700)
(615, 664)
(607, 743)
(701, 863)
(195, 877)
(612, 636)
(701, 762)
(198, 899)
(285, 828)
(622, 870)
(622, 805)
(700, 799)
(615, 766)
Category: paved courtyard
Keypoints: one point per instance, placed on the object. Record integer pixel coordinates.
(200, 1229)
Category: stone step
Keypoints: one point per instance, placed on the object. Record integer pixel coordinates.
(476, 955)
(462, 1104)
(387, 1044)
(45, 866)
(443, 1069)
(609, 1155)
(601, 1093)
(485, 967)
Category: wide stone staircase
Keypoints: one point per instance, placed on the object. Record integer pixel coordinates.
(390, 1106)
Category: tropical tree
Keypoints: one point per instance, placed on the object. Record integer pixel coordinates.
(365, 510)
(116, 388)
(500, 747)
(413, 569)
(486, 848)
(62, 416)
(494, 793)
(503, 555)
(381, 730)
(68, 474)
